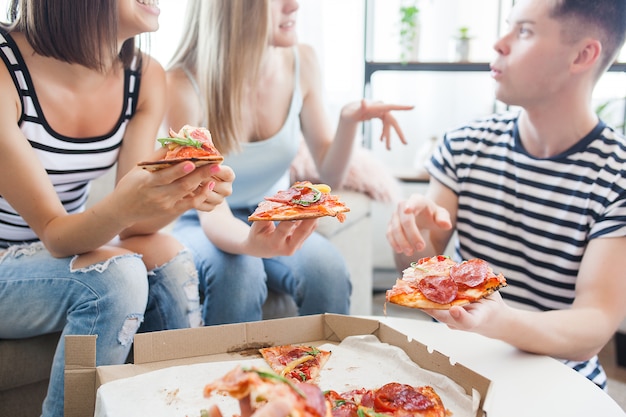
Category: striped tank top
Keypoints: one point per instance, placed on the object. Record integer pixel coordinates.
(532, 218)
(71, 163)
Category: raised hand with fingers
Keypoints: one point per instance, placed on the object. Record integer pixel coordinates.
(367, 110)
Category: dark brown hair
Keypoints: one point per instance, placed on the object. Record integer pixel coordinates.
(605, 19)
(80, 32)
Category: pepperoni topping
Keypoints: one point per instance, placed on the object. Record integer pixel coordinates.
(341, 405)
(394, 396)
(441, 290)
(471, 273)
(298, 194)
(315, 402)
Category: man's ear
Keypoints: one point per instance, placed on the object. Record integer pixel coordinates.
(588, 55)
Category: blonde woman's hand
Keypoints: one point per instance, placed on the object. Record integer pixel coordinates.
(268, 239)
(367, 110)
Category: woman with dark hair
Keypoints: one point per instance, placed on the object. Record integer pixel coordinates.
(77, 97)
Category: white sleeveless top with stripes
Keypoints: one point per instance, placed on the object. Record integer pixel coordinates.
(531, 218)
(71, 163)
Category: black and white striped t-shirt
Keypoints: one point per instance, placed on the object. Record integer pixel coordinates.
(532, 218)
(71, 163)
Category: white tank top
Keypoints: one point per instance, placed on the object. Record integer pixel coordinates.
(262, 168)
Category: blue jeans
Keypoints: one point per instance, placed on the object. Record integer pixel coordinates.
(41, 294)
(234, 287)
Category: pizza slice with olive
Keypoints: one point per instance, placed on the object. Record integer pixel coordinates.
(301, 363)
(303, 200)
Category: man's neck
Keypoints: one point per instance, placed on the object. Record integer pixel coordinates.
(548, 132)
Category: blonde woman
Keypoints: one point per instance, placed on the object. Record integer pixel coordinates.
(240, 70)
(76, 98)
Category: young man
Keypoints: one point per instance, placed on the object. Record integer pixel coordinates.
(539, 193)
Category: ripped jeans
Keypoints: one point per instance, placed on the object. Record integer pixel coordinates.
(236, 286)
(41, 294)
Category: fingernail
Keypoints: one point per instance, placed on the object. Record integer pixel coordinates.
(211, 185)
(188, 167)
(215, 169)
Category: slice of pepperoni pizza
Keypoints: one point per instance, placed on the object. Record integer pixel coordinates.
(303, 200)
(188, 144)
(440, 283)
(392, 399)
(300, 363)
(259, 389)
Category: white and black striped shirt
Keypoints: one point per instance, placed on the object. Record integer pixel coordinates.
(71, 163)
(532, 218)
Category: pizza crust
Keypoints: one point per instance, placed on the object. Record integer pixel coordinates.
(417, 299)
(166, 163)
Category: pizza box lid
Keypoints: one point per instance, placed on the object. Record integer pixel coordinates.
(157, 350)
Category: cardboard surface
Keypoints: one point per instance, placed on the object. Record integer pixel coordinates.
(159, 350)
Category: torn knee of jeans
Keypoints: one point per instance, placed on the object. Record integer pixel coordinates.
(129, 329)
(17, 251)
(98, 266)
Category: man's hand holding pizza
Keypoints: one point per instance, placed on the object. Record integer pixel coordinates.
(481, 316)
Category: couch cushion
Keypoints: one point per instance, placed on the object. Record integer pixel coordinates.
(360, 206)
(26, 361)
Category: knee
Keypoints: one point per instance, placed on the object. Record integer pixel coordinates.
(156, 249)
(98, 256)
(123, 283)
(235, 274)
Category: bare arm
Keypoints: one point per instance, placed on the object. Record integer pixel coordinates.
(332, 152)
(264, 239)
(575, 334)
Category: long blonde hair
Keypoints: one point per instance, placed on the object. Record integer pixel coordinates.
(222, 46)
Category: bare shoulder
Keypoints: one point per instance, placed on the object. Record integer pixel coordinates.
(308, 57)
(152, 70)
(310, 72)
(178, 81)
(184, 105)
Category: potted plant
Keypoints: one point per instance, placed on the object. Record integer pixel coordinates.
(462, 45)
(409, 30)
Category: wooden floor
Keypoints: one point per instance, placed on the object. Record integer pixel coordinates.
(384, 279)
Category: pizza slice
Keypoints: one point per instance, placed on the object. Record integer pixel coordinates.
(303, 200)
(392, 399)
(300, 363)
(440, 283)
(189, 144)
(259, 388)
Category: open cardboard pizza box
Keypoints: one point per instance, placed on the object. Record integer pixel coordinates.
(221, 345)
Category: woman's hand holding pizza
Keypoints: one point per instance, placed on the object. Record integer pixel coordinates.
(367, 110)
(172, 191)
(268, 239)
(410, 217)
